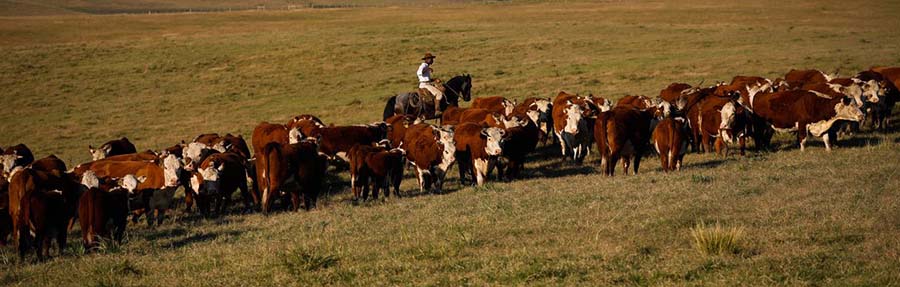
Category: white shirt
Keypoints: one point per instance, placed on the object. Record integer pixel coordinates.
(424, 73)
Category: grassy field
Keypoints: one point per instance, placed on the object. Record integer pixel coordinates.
(812, 218)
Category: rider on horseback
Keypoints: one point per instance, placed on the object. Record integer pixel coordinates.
(428, 84)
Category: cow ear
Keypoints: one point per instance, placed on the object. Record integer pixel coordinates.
(484, 132)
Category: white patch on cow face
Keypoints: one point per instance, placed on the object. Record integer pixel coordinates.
(494, 136)
(220, 146)
(9, 162)
(191, 154)
(131, 182)
(846, 112)
(871, 91)
(209, 173)
(665, 107)
(97, 154)
(512, 122)
(573, 118)
(448, 155)
(854, 91)
(172, 167)
(606, 106)
(508, 107)
(728, 112)
(294, 136)
(90, 180)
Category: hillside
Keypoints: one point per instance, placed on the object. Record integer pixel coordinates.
(809, 218)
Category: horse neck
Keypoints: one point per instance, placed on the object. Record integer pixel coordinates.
(452, 88)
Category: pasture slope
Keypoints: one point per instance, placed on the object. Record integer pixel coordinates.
(809, 218)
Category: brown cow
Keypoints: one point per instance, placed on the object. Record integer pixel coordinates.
(217, 178)
(281, 167)
(379, 166)
(337, 141)
(18, 155)
(103, 203)
(431, 150)
(157, 192)
(38, 208)
(307, 125)
(806, 112)
(477, 149)
(111, 148)
(796, 79)
(674, 91)
(622, 133)
(636, 102)
(494, 104)
(474, 115)
(721, 118)
(671, 142)
(572, 128)
(265, 133)
(398, 125)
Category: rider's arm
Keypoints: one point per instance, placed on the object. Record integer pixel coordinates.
(423, 76)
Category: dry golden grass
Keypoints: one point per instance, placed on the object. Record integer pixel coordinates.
(813, 218)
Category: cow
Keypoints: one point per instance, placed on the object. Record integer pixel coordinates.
(335, 142)
(51, 164)
(147, 156)
(670, 139)
(113, 147)
(539, 111)
(283, 167)
(720, 118)
(451, 115)
(635, 101)
(674, 91)
(56, 167)
(217, 178)
(494, 104)
(103, 204)
(18, 155)
(477, 149)
(889, 78)
(156, 192)
(398, 125)
(431, 150)
(381, 167)
(518, 142)
(806, 112)
(572, 128)
(266, 133)
(307, 125)
(38, 209)
(796, 79)
(622, 132)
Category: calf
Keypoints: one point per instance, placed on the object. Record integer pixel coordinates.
(103, 203)
(217, 178)
(18, 155)
(431, 150)
(622, 133)
(806, 112)
(495, 104)
(670, 141)
(383, 167)
(477, 149)
(113, 147)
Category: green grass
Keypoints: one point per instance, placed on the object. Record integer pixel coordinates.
(810, 218)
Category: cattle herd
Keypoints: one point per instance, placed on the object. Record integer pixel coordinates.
(42, 199)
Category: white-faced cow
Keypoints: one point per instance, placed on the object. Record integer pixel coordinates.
(806, 112)
(477, 148)
(111, 148)
(431, 150)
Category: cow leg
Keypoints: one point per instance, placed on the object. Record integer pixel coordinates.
(721, 148)
(480, 167)
(827, 139)
(397, 178)
(742, 141)
(160, 215)
(802, 134)
(664, 158)
(637, 163)
(295, 201)
(188, 200)
(61, 238)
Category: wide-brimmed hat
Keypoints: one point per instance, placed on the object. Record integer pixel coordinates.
(428, 56)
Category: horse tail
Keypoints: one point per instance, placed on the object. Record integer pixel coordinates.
(389, 108)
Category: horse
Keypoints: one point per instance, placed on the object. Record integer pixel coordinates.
(410, 104)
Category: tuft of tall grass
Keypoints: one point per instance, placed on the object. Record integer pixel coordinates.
(303, 260)
(717, 240)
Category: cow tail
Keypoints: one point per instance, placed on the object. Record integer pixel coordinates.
(673, 145)
(603, 142)
(389, 108)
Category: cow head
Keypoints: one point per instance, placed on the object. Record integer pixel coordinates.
(131, 182)
(444, 139)
(573, 117)
(89, 180)
(9, 161)
(98, 153)
(206, 180)
(508, 107)
(514, 121)
(539, 112)
(192, 153)
(848, 110)
(172, 168)
(663, 109)
(382, 128)
(728, 113)
(493, 140)
(294, 135)
(872, 91)
(854, 92)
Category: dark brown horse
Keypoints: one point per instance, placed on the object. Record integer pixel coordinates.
(411, 104)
